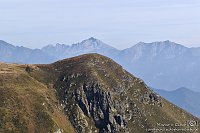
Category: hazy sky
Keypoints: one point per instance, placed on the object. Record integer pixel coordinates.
(120, 23)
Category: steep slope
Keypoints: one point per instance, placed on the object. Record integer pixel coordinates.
(165, 65)
(184, 98)
(91, 45)
(98, 95)
(90, 92)
(28, 106)
(16, 54)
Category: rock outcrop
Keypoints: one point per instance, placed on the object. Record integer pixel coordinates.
(98, 95)
(84, 94)
(92, 102)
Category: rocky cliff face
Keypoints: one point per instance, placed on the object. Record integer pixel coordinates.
(98, 95)
(108, 111)
(89, 100)
(92, 107)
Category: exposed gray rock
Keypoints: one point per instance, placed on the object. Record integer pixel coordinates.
(151, 98)
(92, 101)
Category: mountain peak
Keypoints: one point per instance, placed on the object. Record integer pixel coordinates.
(92, 57)
(184, 90)
(87, 93)
(166, 42)
(91, 39)
(160, 45)
(108, 96)
(93, 43)
(4, 43)
(1, 41)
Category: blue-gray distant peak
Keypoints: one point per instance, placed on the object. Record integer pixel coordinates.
(93, 43)
(90, 45)
(164, 49)
(2, 42)
(5, 44)
(183, 89)
(166, 43)
(92, 39)
(19, 54)
(184, 98)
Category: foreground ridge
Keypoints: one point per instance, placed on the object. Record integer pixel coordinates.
(87, 93)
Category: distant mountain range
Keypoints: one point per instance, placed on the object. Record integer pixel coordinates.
(15, 54)
(165, 65)
(184, 98)
(91, 45)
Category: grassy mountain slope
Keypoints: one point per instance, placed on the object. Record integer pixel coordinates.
(27, 105)
(95, 94)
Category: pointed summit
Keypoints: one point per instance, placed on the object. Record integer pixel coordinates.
(94, 44)
(90, 45)
(92, 39)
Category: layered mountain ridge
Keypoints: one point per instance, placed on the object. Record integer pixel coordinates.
(94, 93)
(163, 65)
(90, 45)
(15, 54)
(184, 98)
